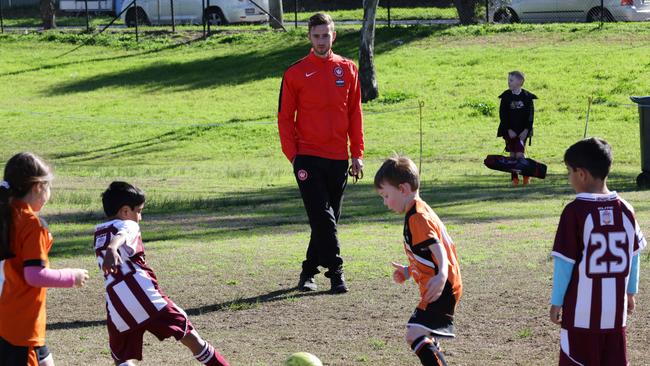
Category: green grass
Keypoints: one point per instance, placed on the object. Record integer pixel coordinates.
(193, 124)
(396, 13)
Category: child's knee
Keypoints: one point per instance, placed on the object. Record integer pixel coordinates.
(413, 333)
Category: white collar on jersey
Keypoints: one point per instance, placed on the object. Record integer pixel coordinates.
(597, 196)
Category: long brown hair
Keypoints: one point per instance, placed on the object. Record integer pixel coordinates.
(22, 171)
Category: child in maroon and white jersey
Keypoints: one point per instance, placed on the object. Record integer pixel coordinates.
(596, 262)
(134, 301)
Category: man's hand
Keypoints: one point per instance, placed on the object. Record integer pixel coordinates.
(631, 303)
(512, 134)
(399, 273)
(112, 260)
(555, 314)
(357, 166)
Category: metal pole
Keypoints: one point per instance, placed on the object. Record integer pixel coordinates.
(584, 136)
(2, 26)
(602, 12)
(171, 2)
(421, 105)
(295, 15)
(388, 5)
(135, 6)
(209, 30)
(204, 16)
(87, 16)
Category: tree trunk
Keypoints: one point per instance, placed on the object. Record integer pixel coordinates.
(47, 14)
(367, 77)
(466, 11)
(275, 9)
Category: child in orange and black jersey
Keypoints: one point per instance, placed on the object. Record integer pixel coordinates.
(433, 263)
(25, 242)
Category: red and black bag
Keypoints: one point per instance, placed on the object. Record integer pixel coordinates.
(523, 166)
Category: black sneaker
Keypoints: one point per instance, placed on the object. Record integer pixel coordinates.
(307, 283)
(338, 284)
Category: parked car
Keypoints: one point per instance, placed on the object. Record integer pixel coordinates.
(217, 12)
(547, 11)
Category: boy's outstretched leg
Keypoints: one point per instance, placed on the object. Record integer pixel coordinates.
(203, 351)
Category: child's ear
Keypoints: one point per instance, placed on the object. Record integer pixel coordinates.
(123, 210)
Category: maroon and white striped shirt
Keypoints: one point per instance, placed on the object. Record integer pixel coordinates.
(599, 234)
(132, 294)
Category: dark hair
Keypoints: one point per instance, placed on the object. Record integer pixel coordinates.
(592, 154)
(22, 171)
(517, 74)
(397, 170)
(120, 194)
(320, 19)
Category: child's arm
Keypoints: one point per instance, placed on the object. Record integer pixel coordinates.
(401, 273)
(37, 276)
(437, 283)
(562, 270)
(112, 258)
(502, 130)
(633, 284)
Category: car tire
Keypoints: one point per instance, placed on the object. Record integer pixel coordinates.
(505, 16)
(214, 16)
(594, 15)
(131, 14)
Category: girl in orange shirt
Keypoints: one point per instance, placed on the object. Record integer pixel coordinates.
(25, 242)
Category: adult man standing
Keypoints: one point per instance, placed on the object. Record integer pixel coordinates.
(319, 111)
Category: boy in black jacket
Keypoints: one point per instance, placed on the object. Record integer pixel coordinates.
(516, 119)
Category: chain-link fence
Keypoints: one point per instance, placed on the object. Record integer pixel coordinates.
(93, 14)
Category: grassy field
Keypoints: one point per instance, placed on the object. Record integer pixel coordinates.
(193, 123)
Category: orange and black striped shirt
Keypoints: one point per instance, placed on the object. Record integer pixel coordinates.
(423, 228)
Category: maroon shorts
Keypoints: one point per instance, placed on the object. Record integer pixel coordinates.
(514, 145)
(586, 348)
(171, 321)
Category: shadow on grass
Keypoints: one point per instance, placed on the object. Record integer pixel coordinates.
(239, 68)
(232, 305)
(143, 146)
(280, 211)
(100, 59)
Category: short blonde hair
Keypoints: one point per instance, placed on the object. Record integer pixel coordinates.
(396, 170)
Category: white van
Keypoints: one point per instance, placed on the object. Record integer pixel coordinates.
(217, 12)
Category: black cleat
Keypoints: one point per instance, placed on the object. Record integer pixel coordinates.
(307, 283)
(338, 284)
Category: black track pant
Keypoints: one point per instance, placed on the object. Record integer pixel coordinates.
(322, 182)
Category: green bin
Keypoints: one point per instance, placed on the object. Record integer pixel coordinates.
(643, 180)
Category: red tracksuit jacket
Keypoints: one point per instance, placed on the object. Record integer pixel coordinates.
(320, 108)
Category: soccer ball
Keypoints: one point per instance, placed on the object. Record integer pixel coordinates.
(302, 359)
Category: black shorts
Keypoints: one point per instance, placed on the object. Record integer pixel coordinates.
(433, 322)
(11, 355)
